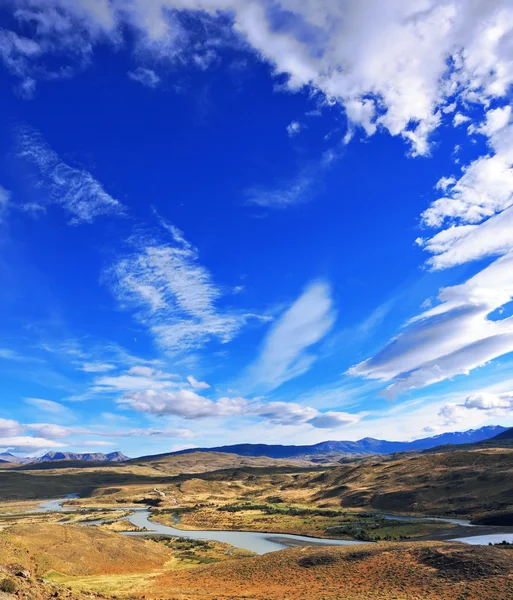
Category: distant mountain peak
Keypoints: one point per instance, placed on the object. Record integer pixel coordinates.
(52, 456)
(364, 447)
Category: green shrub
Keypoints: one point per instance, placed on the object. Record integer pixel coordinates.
(8, 586)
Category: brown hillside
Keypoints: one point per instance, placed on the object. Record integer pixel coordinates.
(74, 550)
(462, 482)
(384, 572)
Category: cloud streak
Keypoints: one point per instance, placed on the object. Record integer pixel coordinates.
(284, 354)
(173, 294)
(75, 190)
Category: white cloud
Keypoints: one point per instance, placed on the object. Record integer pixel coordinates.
(5, 198)
(296, 190)
(131, 382)
(28, 444)
(97, 367)
(493, 405)
(53, 432)
(146, 77)
(289, 413)
(484, 189)
(48, 406)
(452, 338)
(333, 420)
(459, 118)
(294, 128)
(496, 119)
(197, 385)
(284, 351)
(477, 210)
(182, 403)
(8, 427)
(286, 413)
(97, 444)
(189, 405)
(76, 190)
(488, 401)
(353, 52)
(292, 192)
(173, 294)
(8, 354)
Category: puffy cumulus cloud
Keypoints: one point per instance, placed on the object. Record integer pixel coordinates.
(8, 427)
(189, 405)
(173, 294)
(284, 352)
(76, 190)
(487, 403)
(197, 385)
(485, 188)
(475, 213)
(352, 52)
(182, 403)
(28, 444)
(451, 338)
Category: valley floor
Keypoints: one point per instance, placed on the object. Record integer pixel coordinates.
(82, 552)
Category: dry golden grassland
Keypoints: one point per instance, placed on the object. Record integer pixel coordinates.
(228, 492)
(383, 572)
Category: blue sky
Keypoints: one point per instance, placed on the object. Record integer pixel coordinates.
(247, 221)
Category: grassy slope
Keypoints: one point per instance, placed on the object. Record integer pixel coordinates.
(73, 550)
(66, 477)
(384, 572)
(467, 483)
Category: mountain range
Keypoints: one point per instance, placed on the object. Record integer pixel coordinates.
(315, 452)
(7, 457)
(365, 446)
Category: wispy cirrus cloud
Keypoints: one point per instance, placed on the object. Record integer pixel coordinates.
(298, 189)
(284, 354)
(49, 406)
(74, 189)
(173, 294)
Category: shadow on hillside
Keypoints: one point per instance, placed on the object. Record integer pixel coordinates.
(27, 482)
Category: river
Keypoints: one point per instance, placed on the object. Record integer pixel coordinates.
(260, 542)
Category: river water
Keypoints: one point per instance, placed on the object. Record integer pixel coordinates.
(259, 542)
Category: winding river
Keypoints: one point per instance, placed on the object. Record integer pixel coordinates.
(260, 542)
